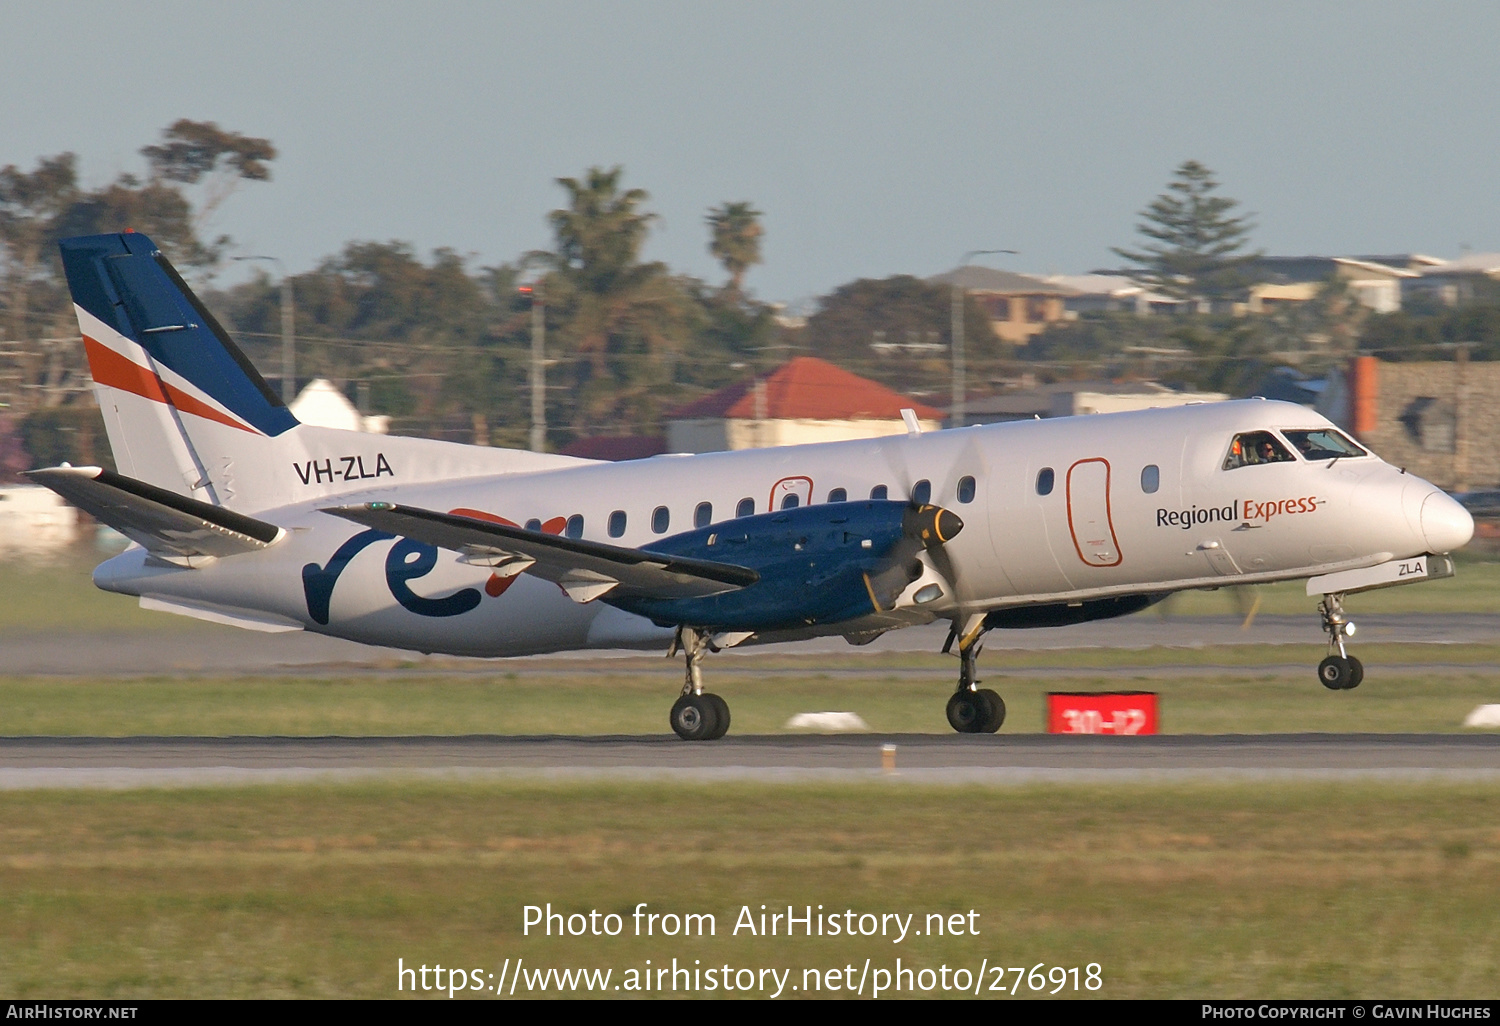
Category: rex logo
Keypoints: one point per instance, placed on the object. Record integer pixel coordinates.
(406, 561)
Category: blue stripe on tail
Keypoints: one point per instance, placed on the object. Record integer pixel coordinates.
(125, 281)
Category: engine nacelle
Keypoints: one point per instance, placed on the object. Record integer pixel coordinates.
(817, 564)
(1061, 614)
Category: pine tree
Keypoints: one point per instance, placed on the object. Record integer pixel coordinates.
(1196, 248)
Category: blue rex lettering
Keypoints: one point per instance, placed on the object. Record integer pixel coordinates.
(409, 560)
(406, 561)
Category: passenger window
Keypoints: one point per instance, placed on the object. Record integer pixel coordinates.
(838, 495)
(921, 492)
(703, 515)
(966, 489)
(746, 508)
(660, 518)
(1150, 478)
(533, 524)
(879, 492)
(1255, 447)
(791, 501)
(617, 523)
(575, 526)
(1045, 479)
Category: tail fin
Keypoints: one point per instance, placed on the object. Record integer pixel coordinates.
(164, 370)
(187, 412)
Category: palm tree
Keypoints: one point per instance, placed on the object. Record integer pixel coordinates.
(736, 239)
(625, 318)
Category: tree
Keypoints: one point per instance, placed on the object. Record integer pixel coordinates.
(1196, 249)
(194, 152)
(736, 240)
(898, 330)
(624, 319)
(42, 206)
(31, 205)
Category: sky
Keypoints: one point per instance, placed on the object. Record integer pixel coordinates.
(877, 138)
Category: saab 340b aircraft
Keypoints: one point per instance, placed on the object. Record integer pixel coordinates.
(239, 514)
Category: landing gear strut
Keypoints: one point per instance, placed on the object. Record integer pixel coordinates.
(697, 715)
(972, 709)
(1340, 671)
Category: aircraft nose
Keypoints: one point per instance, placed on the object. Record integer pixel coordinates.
(1446, 525)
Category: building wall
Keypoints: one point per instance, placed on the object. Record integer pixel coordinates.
(34, 521)
(1440, 421)
(1072, 404)
(697, 436)
(1016, 318)
(721, 435)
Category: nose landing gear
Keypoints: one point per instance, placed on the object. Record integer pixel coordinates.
(697, 715)
(972, 709)
(1340, 671)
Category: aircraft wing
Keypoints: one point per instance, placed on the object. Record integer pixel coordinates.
(583, 569)
(165, 523)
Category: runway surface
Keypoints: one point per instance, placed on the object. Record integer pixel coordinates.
(48, 762)
(212, 649)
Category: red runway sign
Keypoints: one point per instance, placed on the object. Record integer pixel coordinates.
(1101, 712)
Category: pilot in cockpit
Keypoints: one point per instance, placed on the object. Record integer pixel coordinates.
(1253, 448)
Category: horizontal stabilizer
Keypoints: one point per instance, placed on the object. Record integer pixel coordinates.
(165, 523)
(584, 569)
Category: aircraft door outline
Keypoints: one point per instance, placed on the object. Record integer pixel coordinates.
(801, 487)
(1089, 520)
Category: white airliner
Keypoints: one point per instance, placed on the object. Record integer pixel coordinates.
(241, 515)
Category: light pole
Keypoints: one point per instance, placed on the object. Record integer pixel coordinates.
(538, 366)
(956, 413)
(288, 350)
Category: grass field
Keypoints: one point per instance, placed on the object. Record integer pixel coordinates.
(1289, 890)
(600, 700)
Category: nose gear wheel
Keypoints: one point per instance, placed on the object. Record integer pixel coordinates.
(1340, 671)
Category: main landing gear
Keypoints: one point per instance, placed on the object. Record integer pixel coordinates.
(972, 709)
(697, 715)
(1340, 671)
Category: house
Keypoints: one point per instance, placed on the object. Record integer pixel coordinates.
(1110, 293)
(322, 404)
(1283, 280)
(1455, 282)
(34, 522)
(1077, 398)
(803, 400)
(1019, 305)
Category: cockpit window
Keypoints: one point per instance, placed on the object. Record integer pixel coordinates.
(1324, 444)
(1255, 447)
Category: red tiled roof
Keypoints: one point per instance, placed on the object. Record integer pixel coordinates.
(806, 388)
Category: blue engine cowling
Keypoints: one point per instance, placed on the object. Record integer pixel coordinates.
(816, 564)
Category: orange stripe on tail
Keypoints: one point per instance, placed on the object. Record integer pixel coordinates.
(110, 368)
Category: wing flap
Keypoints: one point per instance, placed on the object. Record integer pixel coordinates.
(584, 569)
(164, 523)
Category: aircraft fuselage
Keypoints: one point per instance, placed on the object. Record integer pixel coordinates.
(1055, 511)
